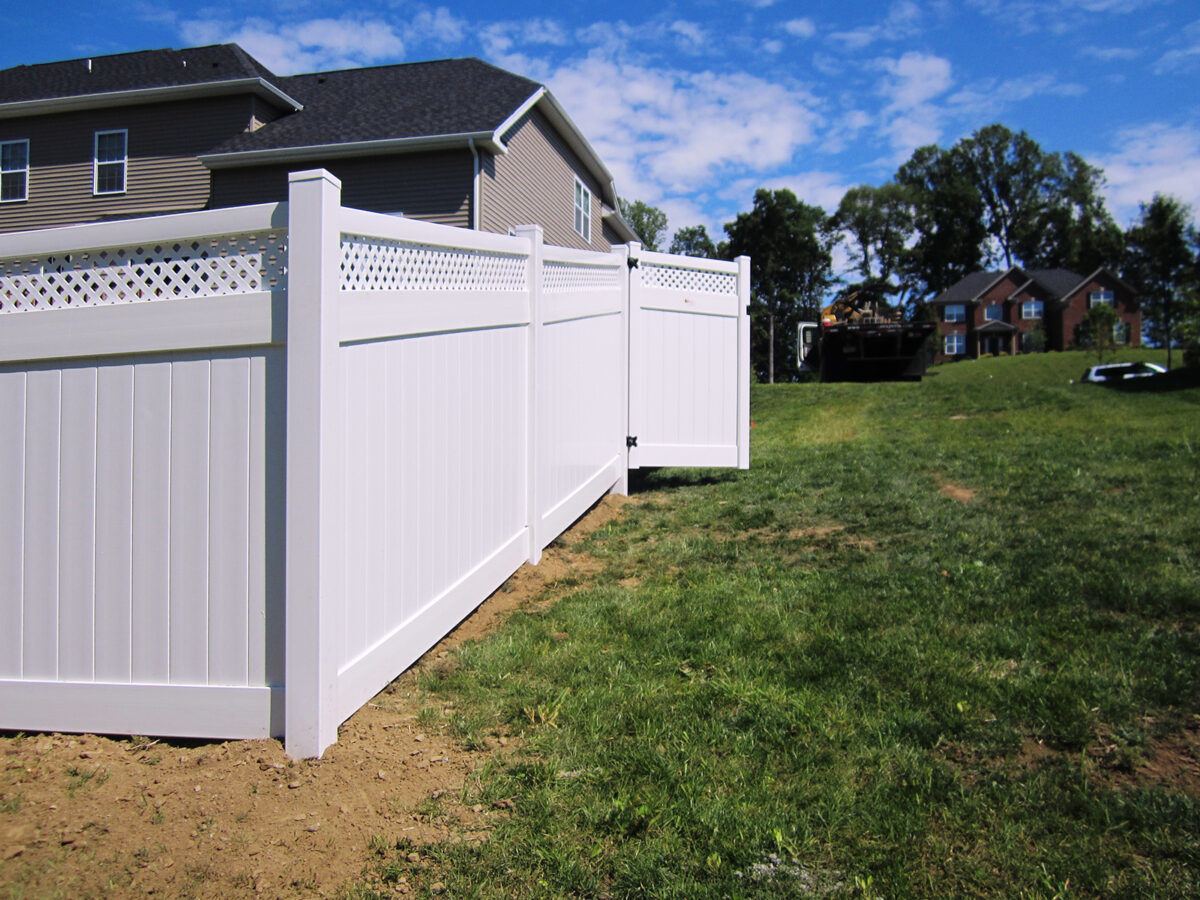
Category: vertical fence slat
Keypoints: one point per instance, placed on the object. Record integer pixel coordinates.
(77, 524)
(114, 521)
(12, 521)
(42, 451)
(150, 632)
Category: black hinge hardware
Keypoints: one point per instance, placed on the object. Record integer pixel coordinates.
(632, 262)
(630, 440)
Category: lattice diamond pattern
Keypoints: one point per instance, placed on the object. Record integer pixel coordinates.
(564, 278)
(207, 267)
(692, 280)
(375, 264)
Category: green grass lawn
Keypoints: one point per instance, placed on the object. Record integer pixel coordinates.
(940, 641)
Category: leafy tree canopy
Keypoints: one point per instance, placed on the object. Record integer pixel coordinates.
(1161, 263)
(693, 240)
(648, 222)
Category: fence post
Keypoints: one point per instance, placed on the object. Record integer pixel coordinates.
(314, 490)
(743, 405)
(533, 422)
(622, 388)
(635, 394)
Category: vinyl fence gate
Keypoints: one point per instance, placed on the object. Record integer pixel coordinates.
(255, 461)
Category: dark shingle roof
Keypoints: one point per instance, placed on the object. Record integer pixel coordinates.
(443, 97)
(130, 71)
(967, 289)
(1058, 282)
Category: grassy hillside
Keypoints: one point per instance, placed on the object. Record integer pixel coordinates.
(941, 640)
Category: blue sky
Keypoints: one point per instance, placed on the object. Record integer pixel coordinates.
(694, 105)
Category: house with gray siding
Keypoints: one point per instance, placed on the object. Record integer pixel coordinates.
(457, 141)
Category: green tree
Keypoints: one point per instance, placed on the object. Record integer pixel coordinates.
(947, 218)
(1096, 331)
(693, 240)
(1160, 263)
(648, 222)
(1075, 230)
(878, 223)
(790, 245)
(1012, 176)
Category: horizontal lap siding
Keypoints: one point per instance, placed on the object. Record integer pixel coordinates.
(534, 183)
(163, 173)
(433, 187)
(139, 520)
(435, 470)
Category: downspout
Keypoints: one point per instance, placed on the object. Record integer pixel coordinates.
(475, 180)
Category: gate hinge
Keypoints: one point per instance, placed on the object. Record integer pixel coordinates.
(632, 262)
(630, 440)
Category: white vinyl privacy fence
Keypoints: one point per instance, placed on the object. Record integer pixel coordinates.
(254, 462)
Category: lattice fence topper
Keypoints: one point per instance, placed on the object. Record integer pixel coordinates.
(204, 267)
(563, 278)
(377, 264)
(678, 278)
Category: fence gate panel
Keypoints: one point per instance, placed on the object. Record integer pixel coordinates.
(689, 380)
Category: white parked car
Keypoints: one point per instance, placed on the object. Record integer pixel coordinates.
(1121, 371)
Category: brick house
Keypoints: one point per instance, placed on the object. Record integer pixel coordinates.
(1024, 310)
(455, 141)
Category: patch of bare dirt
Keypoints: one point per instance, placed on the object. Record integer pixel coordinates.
(88, 816)
(955, 491)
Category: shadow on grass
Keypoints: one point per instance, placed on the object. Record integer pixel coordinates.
(643, 480)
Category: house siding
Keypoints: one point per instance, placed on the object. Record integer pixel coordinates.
(535, 182)
(163, 174)
(434, 187)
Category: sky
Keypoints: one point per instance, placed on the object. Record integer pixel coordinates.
(695, 105)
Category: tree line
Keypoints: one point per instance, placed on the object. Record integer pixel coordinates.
(993, 200)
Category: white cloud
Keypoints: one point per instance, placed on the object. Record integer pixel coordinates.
(1110, 54)
(902, 21)
(914, 79)
(689, 37)
(1156, 158)
(801, 28)
(772, 46)
(1059, 17)
(1185, 55)
(675, 130)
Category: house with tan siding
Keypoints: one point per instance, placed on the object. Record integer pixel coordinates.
(457, 141)
(1025, 310)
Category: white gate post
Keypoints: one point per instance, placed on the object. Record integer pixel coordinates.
(622, 388)
(743, 352)
(315, 479)
(635, 406)
(534, 439)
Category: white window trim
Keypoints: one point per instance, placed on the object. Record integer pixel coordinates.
(96, 163)
(954, 339)
(582, 211)
(987, 312)
(950, 306)
(25, 171)
(1027, 305)
(1121, 332)
(1105, 297)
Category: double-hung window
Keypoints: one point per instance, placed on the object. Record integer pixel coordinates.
(583, 211)
(14, 171)
(110, 162)
(993, 312)
(1032, 309)
(954, 344)
(955, 312)
(1100, 298)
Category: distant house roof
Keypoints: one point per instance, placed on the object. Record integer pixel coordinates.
(1057, 283)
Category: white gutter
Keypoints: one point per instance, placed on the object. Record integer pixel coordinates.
(141, 96)
(475, 185)
(355, 148)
